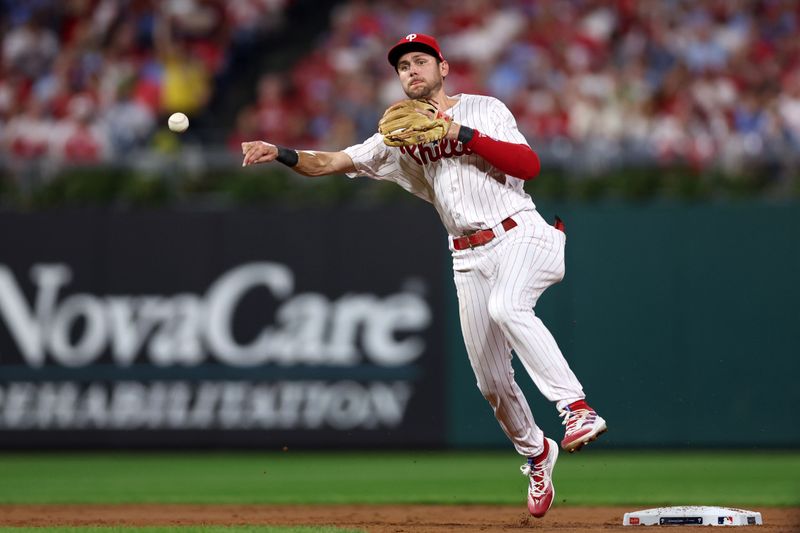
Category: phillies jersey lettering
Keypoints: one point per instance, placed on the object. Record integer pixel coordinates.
(424, 154)
(449, 175)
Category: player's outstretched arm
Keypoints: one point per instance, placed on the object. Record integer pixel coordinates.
(305, 162)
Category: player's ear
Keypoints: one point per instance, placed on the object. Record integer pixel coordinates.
(444, 68)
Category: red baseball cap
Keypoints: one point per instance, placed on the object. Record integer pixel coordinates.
(415, 42)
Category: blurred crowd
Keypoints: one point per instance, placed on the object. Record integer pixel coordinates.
(706, 82)
(86, 81)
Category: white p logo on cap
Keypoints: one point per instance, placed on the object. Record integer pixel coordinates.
(411, 36)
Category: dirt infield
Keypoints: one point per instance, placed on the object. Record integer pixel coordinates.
(371, 518)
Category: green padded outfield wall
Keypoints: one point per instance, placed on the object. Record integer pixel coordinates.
(682, 322)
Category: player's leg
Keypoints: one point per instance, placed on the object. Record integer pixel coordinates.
(490, 358)
(531, 260)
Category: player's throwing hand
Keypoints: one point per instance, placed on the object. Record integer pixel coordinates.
(258, 152)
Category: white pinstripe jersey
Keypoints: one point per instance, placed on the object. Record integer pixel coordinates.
(467, 192)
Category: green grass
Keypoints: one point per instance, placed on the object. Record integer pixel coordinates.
(179, 529)
(588, 478)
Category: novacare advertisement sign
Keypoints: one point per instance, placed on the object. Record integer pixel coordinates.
(227, 329)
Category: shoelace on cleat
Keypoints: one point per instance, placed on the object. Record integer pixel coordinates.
(537, 471)
(575, 420)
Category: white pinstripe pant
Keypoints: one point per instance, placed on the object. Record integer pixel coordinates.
(498, 285)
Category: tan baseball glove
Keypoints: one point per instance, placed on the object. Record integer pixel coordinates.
(411, 122)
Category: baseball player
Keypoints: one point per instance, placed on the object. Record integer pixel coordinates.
(465, 155)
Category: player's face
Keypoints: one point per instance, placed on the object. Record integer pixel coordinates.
(420, 74)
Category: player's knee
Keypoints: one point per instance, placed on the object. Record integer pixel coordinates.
(493, 390)
(491, 396)
(501, 311)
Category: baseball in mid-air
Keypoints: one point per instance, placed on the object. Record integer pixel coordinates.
(178, 122)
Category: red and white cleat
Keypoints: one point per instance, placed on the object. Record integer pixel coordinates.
(540, 473)
(583, 425)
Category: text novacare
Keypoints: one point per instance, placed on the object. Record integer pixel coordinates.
(187, 328)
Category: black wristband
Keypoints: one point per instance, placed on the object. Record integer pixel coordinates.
(465, 134)
(287, 156)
